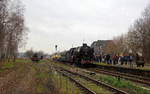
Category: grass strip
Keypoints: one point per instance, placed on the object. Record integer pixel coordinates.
(122, 84)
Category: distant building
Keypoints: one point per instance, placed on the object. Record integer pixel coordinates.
(99, 46)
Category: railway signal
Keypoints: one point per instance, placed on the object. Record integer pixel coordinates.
(56, 47)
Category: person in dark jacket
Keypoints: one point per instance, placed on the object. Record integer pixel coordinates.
(139, 60)
(115, 59)
(108, 59)
(121, 60)
(130, 60)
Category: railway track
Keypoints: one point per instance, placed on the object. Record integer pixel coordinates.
(81, 86)
(132, 71)
(85, 89)
(130, 77)
(98, 83)
(138, 79)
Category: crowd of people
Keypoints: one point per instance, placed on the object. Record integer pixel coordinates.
(128, 59)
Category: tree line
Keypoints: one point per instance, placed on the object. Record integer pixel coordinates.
(137, 40)
(12, 28)
(30, 53)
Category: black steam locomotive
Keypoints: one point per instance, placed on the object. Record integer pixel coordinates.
(79, 55)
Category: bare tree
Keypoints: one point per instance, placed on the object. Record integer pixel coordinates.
(3, 23)
(139, 35)
(29, 53)
(13, 27)
(137, 40)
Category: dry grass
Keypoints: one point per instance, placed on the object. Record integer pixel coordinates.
(25, 77)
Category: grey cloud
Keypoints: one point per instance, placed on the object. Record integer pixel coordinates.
(67, 22)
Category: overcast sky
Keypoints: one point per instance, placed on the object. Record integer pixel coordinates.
(68, 23)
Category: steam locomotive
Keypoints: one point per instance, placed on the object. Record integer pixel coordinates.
(79, 55)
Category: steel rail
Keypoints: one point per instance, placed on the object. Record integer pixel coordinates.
(113, 89)
(137, 79)
(85, 89)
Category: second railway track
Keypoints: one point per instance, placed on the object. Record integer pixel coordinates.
(130, 77)
(141, 80)
(98, 83)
